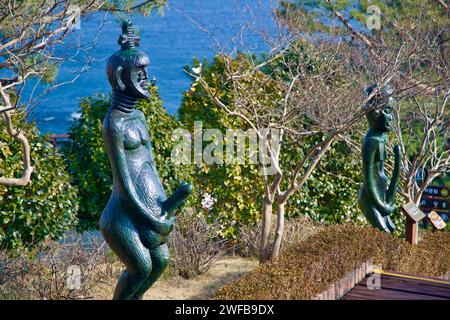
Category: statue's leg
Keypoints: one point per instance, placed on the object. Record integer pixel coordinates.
(390, 224)
(124, 241)
(377, 220)
(371, 213)
(160, 261)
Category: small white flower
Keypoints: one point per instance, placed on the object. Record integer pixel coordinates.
(208, 201)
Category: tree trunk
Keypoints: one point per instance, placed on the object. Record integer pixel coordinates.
(265, 229)
(279, 230)
(17, 135)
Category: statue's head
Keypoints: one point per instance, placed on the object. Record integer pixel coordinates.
(126, 68)
(380, 116)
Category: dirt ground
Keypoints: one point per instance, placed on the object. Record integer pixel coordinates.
(202, 287)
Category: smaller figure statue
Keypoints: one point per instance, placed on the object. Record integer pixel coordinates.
(139, 216)
(377, 199)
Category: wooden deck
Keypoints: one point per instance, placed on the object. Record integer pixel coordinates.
(398, 286)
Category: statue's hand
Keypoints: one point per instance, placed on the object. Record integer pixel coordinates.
(389, 209)
(160, 215)
(166, 225)
(157, 219)
(390, 195)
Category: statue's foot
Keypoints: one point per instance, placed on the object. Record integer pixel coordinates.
(390, 224)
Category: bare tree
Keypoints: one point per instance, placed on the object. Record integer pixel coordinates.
(422, 129)
(319, 82)
(423, 133)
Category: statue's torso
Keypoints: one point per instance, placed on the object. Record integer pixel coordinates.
(138, 162)
(378, 173)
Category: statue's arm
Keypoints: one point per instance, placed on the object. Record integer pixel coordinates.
(143, 212)
(390, 195)
(369, 180)
(182, 192)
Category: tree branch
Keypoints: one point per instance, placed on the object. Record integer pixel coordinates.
(27, 168)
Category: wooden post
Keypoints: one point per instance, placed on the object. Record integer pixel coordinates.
(412, 231)
(413, 216)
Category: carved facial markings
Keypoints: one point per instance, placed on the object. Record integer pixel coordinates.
(382, 119)
(142, 78)
(388, 117)
(139, 78)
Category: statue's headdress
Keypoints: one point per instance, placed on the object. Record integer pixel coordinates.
(128, 39)
(383, 93)
(128, 56)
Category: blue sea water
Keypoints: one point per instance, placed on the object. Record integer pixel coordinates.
(171, 40)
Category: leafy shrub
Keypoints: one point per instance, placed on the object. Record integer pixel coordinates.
(88, 161)
(195, 245)
(47, 206)
(306, 269)
(237, 188)
(330, 195)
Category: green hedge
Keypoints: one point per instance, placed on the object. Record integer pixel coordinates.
(47, 206)
(308, 268)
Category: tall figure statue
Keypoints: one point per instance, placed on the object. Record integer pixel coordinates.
(377, 199)
(138, 218)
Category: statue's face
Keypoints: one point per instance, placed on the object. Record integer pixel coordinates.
(136, 83)
(382, 119)
(127, 72)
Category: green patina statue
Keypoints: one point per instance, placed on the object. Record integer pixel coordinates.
(138, 218)
(377, 199)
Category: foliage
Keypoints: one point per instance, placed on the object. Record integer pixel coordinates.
(330, 195)
(308, 268)
(296, 230)
(235, 187)
(403, 13)
(129, 6)
(88, 162)
(47, 206)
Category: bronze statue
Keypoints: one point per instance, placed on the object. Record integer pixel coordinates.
(377, 199)
(138, 218)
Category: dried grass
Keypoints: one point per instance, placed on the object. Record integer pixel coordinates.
(44, 272)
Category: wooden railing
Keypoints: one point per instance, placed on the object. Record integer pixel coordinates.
(338, 289)
(58, 138)
(446, 276)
